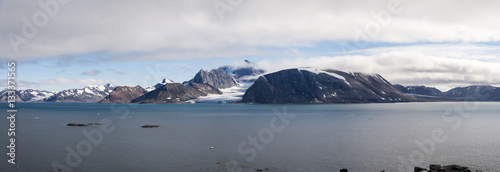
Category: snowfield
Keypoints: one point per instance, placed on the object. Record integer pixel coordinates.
(228, 95)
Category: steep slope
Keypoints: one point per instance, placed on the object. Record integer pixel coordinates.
(308, 85)
(176, 93)
(91, 93)
(215, 77)
(123, 94)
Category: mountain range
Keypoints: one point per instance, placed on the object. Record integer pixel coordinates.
(250, 84)
(470, 93)
(28, 95)
(91, 93)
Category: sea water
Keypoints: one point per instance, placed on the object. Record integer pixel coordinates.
(247, 137)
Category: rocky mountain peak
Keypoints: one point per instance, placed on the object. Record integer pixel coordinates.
(215, 77)
(166, 81)
(123, 94)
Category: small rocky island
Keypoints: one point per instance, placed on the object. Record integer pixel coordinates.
(437, 168)
(83, 125)
(446, 168)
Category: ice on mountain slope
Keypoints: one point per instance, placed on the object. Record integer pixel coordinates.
(232, 94)
(318, 71)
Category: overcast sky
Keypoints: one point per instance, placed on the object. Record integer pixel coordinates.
(71, 43)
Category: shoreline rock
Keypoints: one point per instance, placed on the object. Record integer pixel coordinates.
(150, 126)
(438, 168)
(76, 125)
(453, 167)
(83, 125)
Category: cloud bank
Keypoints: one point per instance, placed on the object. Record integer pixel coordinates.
(91, 73)
(67, 81)
(440, 66)
(192, 29)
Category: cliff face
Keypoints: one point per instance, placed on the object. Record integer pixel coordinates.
(215, 77)
(308, 85)
(123, 94)
(176, 93)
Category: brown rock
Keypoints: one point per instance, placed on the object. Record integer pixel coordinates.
(76, 125)
(417, 169)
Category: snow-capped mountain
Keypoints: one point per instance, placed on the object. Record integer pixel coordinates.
(248, 72)
(244, 75)
(165, 81)
(91, 93)
(215, 77)
(28, 95)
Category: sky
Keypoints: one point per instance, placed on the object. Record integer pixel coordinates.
(64, 44)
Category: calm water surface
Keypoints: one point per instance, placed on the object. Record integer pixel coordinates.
(359, 137)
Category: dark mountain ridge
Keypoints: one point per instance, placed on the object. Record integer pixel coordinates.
(308, 85)
(469, 93)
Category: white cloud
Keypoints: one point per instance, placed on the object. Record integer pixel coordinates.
(91, 73)
(432, 65)
(67, 81)
(20, 84)
(169, 29)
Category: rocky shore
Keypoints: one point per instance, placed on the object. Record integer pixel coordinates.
(446, 168)
(437, 168)
(150, 126)
(83, 125)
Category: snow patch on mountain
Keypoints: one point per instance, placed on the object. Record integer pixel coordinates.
(90, 93)
(28, 95)
(318, 71)
(163, 82)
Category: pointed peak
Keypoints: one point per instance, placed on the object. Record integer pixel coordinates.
(167, 81)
